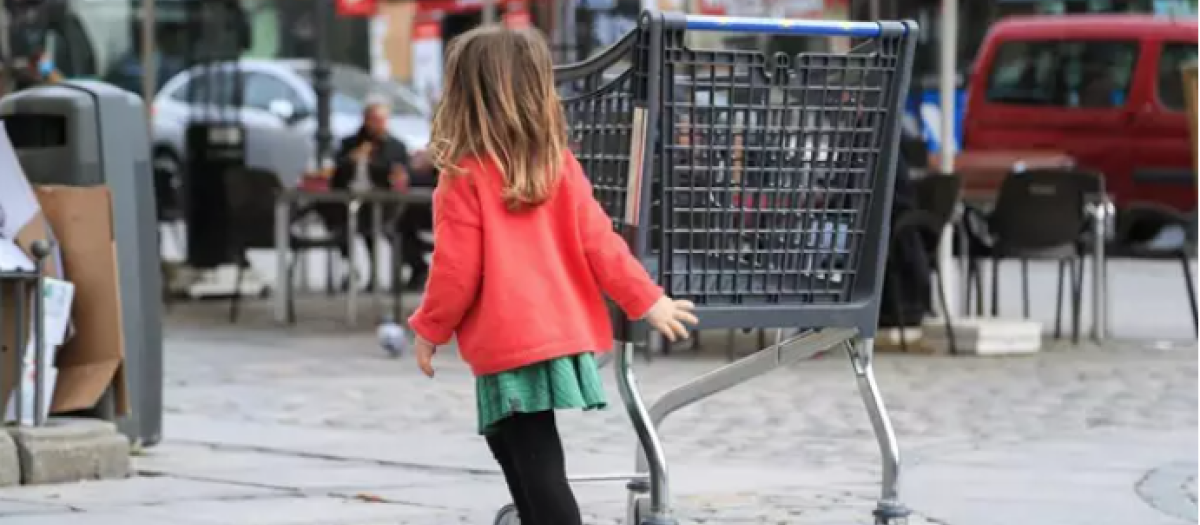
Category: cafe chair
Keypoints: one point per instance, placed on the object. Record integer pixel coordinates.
(1042, 214)
(1129, 244)
(250, 196)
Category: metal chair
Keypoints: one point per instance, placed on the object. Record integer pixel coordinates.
(1128, 246)
(250, 194)
(937, 198)
(1042, 214)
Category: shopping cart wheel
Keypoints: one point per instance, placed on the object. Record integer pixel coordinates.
(639, 508)
(888, 513)
(507, 516)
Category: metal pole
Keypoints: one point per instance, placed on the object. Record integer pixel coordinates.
(946, 82)
(489, 12)
(149, 65)
(321, 82)
(6, 80)
(40, 251)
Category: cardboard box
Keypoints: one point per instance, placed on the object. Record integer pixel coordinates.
(22, 222)
(93, 359)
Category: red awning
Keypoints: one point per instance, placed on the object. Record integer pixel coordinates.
(462, 6)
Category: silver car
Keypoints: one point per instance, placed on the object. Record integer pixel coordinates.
(278, 111)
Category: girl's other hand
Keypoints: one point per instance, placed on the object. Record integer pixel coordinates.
(669, 316)
(424, 352)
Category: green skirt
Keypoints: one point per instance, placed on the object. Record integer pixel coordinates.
(565, 382)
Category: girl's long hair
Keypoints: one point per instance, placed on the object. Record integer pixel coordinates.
(499, 103)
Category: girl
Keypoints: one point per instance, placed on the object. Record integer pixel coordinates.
(522, 255)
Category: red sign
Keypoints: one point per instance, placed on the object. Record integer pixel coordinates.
(517, 20)
(357, 8)
(427, 30)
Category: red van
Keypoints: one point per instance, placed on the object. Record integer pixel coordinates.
(1104, 89)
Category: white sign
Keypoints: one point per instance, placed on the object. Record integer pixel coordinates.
(18, 204)
(12, 259)
(427, 61)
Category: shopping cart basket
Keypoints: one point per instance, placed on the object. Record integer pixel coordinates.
(758, 187)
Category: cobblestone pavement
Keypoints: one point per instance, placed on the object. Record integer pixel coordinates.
(269, 429)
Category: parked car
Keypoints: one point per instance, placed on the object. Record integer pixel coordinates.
(1105, 90)
(278, 110)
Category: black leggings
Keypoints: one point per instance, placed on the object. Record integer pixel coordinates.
(530, 453)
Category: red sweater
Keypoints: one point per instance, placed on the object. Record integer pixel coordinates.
(523, 287)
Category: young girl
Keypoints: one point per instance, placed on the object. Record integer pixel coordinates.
(523, 254)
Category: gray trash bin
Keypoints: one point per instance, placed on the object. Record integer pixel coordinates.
(90, 133)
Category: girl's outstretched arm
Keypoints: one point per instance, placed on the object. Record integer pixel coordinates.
(456, 270)
(620, 275)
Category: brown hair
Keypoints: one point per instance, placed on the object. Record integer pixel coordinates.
(499, 102)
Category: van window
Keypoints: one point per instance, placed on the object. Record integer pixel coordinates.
(1170, 74)
(1073, 74)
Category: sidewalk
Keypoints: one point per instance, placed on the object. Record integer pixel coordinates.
(280, 430)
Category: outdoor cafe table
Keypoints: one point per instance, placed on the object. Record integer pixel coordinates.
(354, 200)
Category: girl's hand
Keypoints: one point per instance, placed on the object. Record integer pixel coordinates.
(668, 316)
(424, 352)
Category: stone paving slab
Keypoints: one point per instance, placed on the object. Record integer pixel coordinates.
(1083, 480)
(283, 511)
(96, 518)
(109, 494)
(22, 508)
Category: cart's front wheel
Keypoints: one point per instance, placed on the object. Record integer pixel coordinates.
(507, 516)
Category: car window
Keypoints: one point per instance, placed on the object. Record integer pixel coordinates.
(1063, 73)
(209, 87)
(1170, 74)
(352, 88)
(262, 89)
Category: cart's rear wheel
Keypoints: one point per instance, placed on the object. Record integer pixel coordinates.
(507, 516)
(639, 508)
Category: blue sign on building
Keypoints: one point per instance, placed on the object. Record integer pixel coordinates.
(926, 107)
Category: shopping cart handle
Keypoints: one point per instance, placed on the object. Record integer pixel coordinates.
(783, 26)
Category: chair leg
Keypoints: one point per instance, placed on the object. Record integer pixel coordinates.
(1191, 287)
(1058, 300)
(1076, 297)
(969, 288)
(291, 293)
(995, 286)
(1025, 287)
(331, 258)
(237, 293)
(946, 316)
(978, 291)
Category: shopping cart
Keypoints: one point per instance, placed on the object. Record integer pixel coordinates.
(758, 187)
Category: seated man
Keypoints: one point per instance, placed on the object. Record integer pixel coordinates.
(371, 159)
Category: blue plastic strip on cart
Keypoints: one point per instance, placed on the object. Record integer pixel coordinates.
(783, 26)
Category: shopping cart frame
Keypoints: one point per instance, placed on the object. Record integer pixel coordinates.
(849, 324)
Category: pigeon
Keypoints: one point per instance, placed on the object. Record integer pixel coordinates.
(392, 337)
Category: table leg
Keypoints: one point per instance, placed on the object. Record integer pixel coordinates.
(377, 237)
(397, 270)
(283, 287)
(352, 287)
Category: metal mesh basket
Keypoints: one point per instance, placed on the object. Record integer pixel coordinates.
(756, 186)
